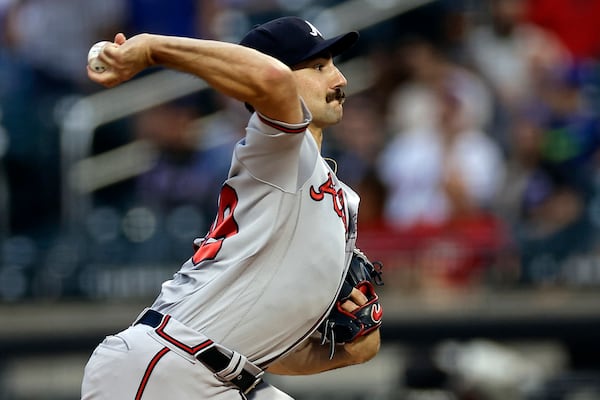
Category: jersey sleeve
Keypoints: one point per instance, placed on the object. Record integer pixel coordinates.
(273, 127)
(278, 153)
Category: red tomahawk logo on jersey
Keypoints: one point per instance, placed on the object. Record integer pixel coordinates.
(337, 197)
(224, 226)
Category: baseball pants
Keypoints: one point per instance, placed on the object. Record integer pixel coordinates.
(153, 363)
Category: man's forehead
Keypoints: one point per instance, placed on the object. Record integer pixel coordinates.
(322, 57)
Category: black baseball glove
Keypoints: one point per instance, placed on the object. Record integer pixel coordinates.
(342, 326)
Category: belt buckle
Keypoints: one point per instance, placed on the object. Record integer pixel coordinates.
(257, 380)
(232, 367)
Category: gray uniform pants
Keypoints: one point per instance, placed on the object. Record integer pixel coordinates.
(140, 364)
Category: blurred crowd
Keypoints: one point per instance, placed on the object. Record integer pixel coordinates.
(474, 149)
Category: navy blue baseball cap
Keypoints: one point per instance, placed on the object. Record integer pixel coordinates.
(293, 40)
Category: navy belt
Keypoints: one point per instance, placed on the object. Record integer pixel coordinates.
(212, 357)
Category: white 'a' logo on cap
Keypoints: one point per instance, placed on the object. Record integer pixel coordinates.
(313, 30)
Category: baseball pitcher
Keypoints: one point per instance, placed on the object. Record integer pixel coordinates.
(267, 287)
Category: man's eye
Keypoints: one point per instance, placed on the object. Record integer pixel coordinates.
(319, 67)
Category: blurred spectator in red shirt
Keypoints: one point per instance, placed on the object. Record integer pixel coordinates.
(575, 22)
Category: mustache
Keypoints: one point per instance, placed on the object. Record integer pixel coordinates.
(338, 95)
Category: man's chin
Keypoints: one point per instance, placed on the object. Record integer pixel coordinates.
(331, 120)
(336, 119)
(336, 104)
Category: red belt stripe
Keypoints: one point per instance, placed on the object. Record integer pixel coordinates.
(177, 343)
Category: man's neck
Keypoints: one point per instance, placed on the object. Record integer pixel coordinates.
(317, 133)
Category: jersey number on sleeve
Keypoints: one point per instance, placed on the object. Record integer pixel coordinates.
(223, 227)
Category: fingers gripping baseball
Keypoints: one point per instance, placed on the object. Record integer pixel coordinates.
(111, 63)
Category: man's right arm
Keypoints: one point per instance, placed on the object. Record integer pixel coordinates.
(237, 71)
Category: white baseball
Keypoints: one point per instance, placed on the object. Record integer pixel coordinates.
(93, 61)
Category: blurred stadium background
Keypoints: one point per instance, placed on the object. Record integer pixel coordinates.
(471, 132)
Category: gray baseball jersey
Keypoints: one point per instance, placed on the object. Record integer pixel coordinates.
(263, 278)
(270, 267)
